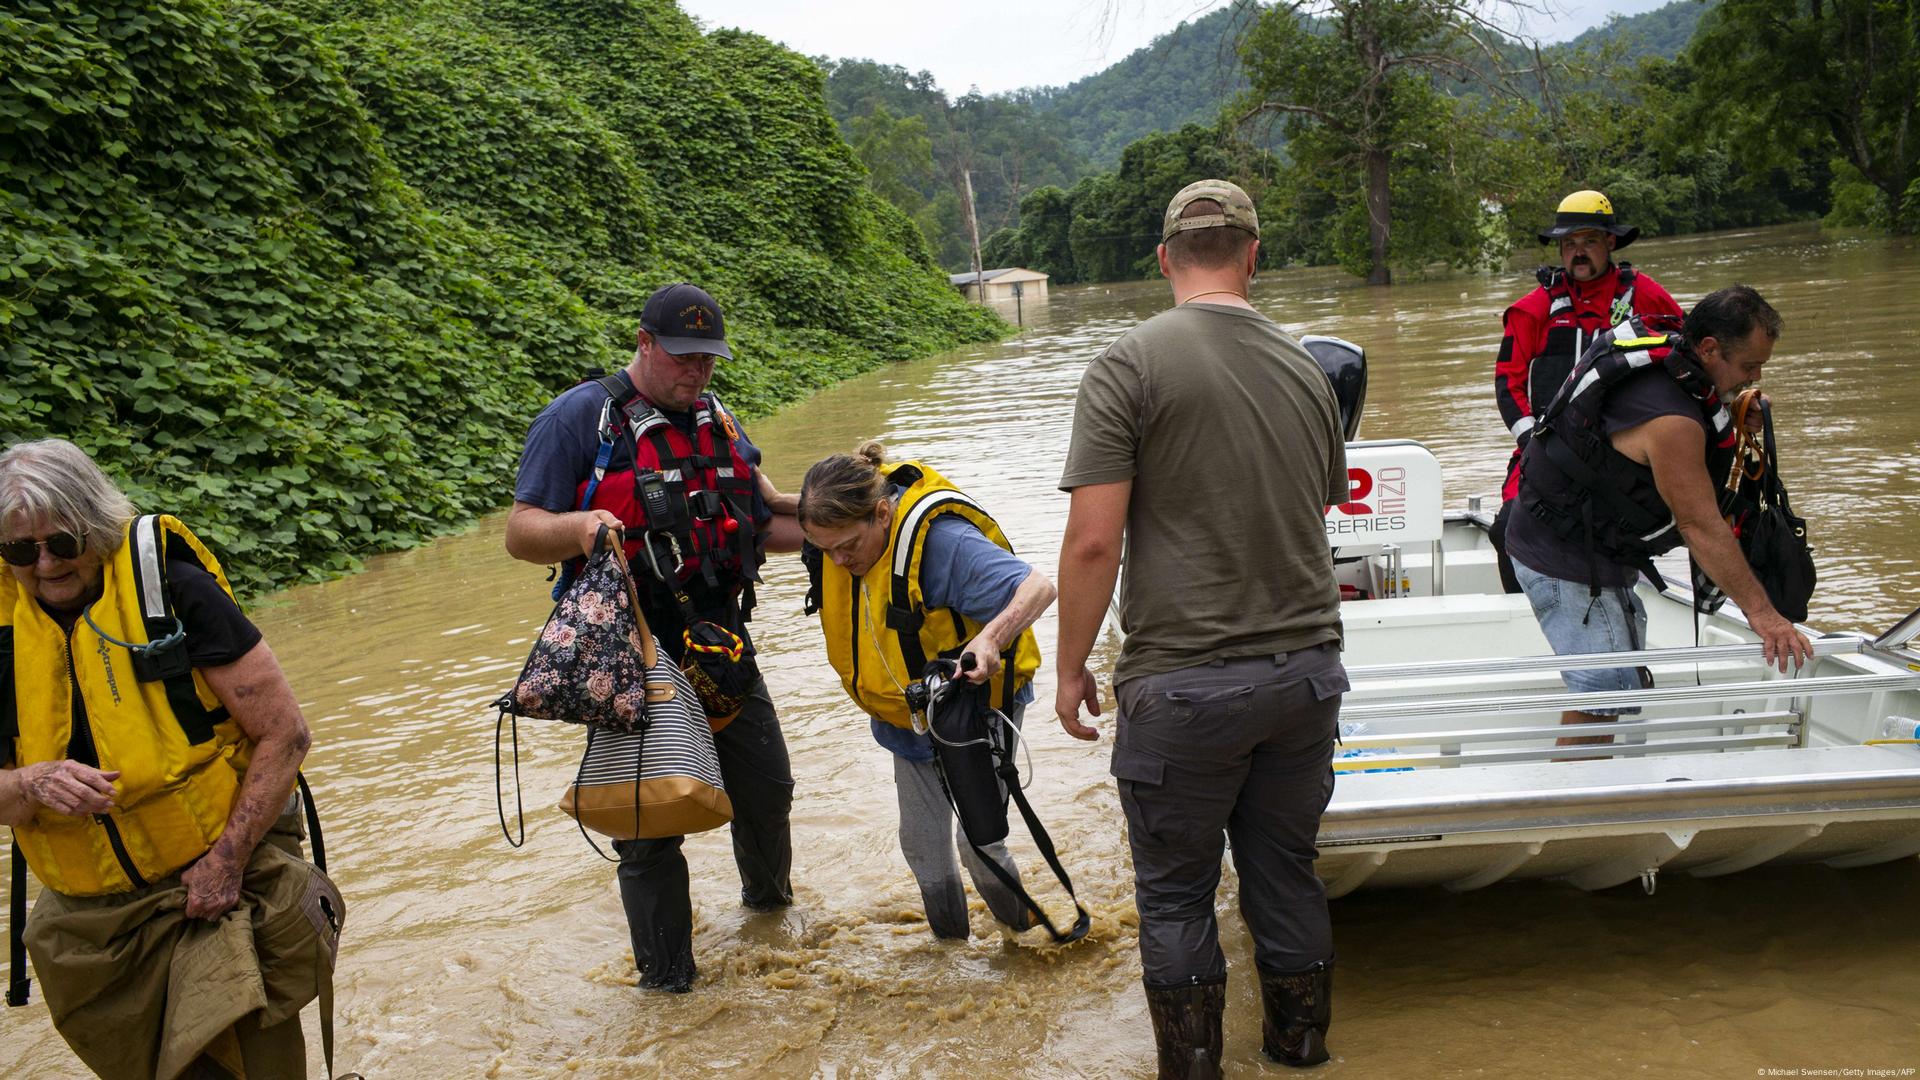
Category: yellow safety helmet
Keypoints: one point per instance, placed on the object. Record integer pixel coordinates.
(1588, 210)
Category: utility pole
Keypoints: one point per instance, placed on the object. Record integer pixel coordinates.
(973, 229)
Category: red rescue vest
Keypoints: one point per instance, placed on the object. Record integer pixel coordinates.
(687, 501)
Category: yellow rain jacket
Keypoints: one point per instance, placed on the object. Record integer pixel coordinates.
(879, 632)
(180, 756)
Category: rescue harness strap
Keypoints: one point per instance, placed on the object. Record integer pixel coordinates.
(903, 617)
(165, 658)
(18, 985)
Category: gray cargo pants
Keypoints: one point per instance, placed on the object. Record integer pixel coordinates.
(1244, 748)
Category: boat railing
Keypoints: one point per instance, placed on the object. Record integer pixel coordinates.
(1452, 749)
(1836, 645)
(1714, 693)
(1777, 717)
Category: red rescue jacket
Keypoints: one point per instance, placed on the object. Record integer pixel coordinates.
(1548, 329)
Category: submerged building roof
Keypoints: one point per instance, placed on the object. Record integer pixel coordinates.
(1020, 273)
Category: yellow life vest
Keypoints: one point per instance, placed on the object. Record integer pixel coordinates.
(152, 717)
(879, 632)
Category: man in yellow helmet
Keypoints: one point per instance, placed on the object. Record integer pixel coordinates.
(1548, 329)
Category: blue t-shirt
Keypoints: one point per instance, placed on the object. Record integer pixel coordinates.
(562, 443)
(960, 569)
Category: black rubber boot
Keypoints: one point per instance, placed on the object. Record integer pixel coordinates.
(1299, 1009)
(1186, 1025)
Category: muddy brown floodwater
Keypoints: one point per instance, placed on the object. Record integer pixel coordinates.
(465, 958)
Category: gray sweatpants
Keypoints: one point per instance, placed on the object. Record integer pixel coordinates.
(929, 838)
(1239, 749)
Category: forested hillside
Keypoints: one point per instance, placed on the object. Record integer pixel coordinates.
(919, 149)
(1664, 31)
(1187, 75)
(1412, 137)
(302, 271)
(1041, 144)
(1183, 77)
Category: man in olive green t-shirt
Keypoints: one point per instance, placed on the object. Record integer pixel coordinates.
(1210, 443)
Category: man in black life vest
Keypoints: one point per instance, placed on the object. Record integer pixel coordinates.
(650, 450)
(1620, 469)
(1547, 329)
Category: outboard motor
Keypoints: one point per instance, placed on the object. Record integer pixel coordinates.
(1346, 366)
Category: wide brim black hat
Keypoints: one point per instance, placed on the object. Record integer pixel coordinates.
(1565, 224)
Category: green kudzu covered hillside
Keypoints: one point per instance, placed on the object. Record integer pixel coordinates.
(301, 271)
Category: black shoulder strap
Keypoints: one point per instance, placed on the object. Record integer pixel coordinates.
(1009, 774)
(9, 705)
(314, 837)
(19, 987)
(18, 984)
(1775, 491)
(17, 981)
(619, 389)
(815, 561)
(162, 662)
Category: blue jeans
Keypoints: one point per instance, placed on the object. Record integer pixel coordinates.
(1576, 621)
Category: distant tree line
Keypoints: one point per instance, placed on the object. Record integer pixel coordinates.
(1385, 135)
(921, 151)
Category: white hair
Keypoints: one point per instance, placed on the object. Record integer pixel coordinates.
(54, 481)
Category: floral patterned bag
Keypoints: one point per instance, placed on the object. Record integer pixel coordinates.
(590, 663)
(650, 768)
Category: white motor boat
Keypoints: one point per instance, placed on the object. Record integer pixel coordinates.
(1449, 773)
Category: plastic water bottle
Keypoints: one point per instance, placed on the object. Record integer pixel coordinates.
(1345, 754)
(1900, 727)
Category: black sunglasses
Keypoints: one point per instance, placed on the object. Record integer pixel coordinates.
(26, 552)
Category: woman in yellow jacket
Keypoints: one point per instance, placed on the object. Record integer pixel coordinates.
(148, 742)
(914, 570)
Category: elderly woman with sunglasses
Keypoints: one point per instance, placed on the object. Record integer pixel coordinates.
(148, 744)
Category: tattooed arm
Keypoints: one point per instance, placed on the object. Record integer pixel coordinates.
(255, 691)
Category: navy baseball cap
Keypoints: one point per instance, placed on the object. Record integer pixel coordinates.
(683, 319)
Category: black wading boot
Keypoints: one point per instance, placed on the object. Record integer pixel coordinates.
(1186, 1025)
(1299, 1008)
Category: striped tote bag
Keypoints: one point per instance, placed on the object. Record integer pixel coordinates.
(662, 779)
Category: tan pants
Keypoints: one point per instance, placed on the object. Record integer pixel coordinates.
(139, 990)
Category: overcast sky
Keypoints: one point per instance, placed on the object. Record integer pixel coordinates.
(1000, 46)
